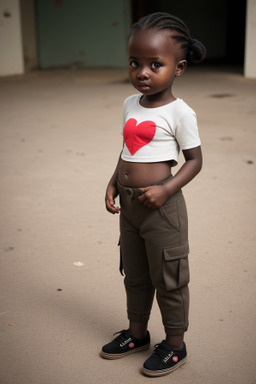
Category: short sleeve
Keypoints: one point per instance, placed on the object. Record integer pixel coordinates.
(186, 132)
(125, 107)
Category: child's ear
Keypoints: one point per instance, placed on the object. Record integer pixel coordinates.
(181, 67)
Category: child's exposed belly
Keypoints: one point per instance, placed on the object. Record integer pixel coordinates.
(142, 174)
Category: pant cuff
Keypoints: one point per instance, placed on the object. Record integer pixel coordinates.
(138, 318)
(175, 331)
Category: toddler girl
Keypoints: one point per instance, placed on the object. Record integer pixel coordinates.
(153, 218)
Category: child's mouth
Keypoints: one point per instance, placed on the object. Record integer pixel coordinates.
(143, 86)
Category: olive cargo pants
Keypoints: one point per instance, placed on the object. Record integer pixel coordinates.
(154, 254)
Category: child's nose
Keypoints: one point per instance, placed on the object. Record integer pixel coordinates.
(143, 73)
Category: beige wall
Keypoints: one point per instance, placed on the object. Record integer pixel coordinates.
(11, 55)
(250, 42)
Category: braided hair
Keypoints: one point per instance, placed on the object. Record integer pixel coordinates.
(195, 51)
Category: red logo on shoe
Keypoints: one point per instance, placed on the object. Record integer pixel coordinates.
(175, 359)
(131, 345)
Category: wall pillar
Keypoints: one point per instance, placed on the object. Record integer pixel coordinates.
(250, 40)
(11, 53)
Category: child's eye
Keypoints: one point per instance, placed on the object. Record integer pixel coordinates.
(156, 65)
(134, 64)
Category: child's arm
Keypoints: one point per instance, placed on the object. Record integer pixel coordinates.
(155, 196)
(111, 192)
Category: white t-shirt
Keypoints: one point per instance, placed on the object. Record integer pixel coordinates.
(157, 134)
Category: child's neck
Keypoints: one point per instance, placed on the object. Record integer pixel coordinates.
(154, 101)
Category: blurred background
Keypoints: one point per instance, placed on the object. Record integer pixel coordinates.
(63, 80)
(42, 34)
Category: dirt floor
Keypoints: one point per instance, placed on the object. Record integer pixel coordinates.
(62, 297)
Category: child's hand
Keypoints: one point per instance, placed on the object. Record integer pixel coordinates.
(153, 197)
(111, 194)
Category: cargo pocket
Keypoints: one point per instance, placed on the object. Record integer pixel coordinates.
(176, 266)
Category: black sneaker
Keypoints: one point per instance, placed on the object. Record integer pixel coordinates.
(164, 360)
(123, 345)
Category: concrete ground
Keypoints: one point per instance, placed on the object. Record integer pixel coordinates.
(62, 297)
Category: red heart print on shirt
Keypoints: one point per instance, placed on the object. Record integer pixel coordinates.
(137, 136)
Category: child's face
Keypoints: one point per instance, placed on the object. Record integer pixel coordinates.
(154, 62)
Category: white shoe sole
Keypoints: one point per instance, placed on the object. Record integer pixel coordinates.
(163, 372)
